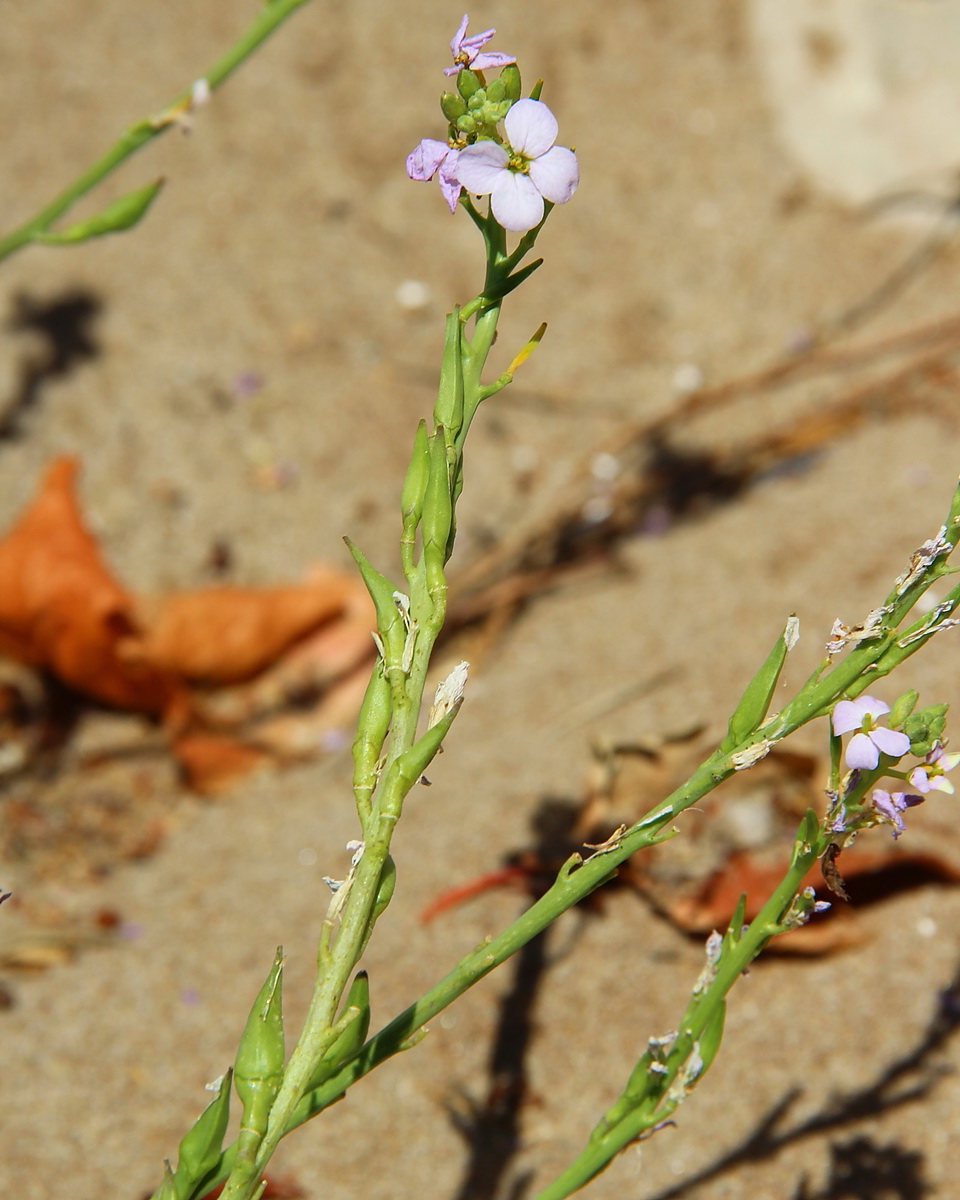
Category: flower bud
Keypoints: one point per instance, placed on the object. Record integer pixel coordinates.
(903, 706)
(510, 78)
(925, 728)
(452, 106)
(467, 83)
(466, 124)
(497, 90)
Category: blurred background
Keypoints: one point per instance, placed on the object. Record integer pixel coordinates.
(745, 406)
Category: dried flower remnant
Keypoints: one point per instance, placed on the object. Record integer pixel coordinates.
(518, 179)
(867, 744)
(890, 807)
(842, 635)
(430, 158)
(928, 553)
(449, 694)
(466, 51)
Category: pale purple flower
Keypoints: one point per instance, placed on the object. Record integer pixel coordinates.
(891, 807)
(466, 51)
(431, 158)
(518, 180)
(864, 748)
(930, 774)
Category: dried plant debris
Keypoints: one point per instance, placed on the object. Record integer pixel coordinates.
(235, 676)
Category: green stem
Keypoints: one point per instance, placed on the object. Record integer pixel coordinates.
(271, 15)
(736, 957)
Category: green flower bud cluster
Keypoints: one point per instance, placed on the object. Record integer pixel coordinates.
(925, 728)
(477, 107)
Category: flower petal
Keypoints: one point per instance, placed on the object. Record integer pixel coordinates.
(889, 808)
(870, 706)
(450, 187)
(480, 167)
(424, 159)
(862, 754)
(890, 742)
(516, 203)
(457, 41)
(531, 127)
(556, 174)
(846, 717)
(491, 59)
(475, 41)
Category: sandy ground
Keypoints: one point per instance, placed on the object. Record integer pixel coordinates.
(278, 246)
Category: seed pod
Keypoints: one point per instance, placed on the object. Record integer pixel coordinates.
(373, 723)
(121, 214)
(389, 623)
(415, 480)
(385, 887)
(755, 701)
(437, 519)
(448, 410)
(200, 1148)
(168, 1189)
(353, 1036)
(258, 1071)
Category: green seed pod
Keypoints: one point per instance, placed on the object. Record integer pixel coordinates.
(373, 724)
(200, 1148)
(711, 1037)
(467, 83)
(258, 1071)
(168, 1189)
(437, 519)
(411, 765)
(903, 706)
(452, 106)
(512, 87)
(755, 701)
(497, 90)
(121, 214)
(351, 1039)
(386, 886)
(448, 409)
(389, 621)
(925, 728)
(415, 480)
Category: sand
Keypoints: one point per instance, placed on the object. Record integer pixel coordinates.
(277, 247)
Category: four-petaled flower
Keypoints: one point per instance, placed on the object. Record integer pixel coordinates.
(930, 774)
(466, 51)
(864, 748)
(533, 170)
(431, 158)
(891, 807)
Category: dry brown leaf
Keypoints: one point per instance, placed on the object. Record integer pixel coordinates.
(213, 762)
(62, 609)
(225, 635)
